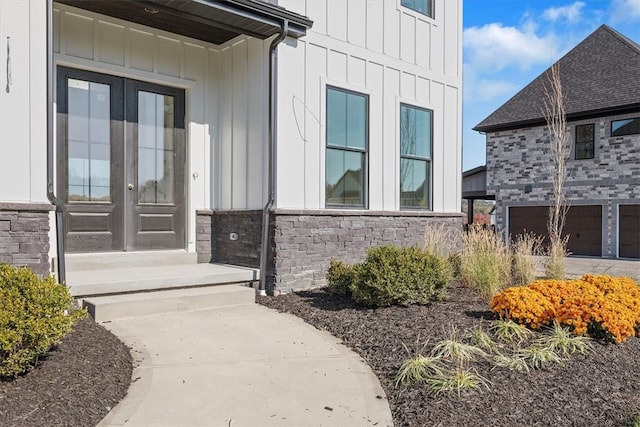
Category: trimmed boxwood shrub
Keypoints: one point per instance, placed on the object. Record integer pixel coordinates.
(340, 276)
(393, 275)
(35, 313)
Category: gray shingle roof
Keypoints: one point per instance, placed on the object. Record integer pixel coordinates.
(601, 74)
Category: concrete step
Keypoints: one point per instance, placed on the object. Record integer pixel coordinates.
(84, 283)
(106, 308)
(122, 260)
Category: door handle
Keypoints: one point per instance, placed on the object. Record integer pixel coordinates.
(130, 186)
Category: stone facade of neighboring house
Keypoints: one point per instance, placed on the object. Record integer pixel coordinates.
(599, 77)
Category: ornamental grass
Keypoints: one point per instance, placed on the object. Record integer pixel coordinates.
(485, 263)
(602, 307)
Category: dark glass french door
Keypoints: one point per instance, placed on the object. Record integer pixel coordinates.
(121, 161)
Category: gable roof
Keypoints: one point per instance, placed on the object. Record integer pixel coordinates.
(599, 75)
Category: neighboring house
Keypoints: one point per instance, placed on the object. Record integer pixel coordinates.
(601, 79)
(163, 125)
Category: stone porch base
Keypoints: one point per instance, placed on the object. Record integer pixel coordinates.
(303, 242)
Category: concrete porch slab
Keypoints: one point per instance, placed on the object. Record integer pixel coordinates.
(85, 283)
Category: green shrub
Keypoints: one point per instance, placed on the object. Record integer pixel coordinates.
(392, 275)
(35, 313)
(340, 276)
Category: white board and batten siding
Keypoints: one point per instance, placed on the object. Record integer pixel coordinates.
(23, 107)
(226, 98)
(374, 47)
(390, 53)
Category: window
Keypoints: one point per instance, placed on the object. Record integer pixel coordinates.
(625, 126)
(89, 107)
(347, 143)
(415, 156)
(584, 142)
(424, 7)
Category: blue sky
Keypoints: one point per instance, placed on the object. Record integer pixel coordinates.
(507, 43)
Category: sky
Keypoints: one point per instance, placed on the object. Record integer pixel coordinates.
(508, 43)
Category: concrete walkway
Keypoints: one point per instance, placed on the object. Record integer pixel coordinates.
(243, 365)
(578, 266)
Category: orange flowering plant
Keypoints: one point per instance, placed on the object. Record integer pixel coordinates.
(602, 307)
(524, 305)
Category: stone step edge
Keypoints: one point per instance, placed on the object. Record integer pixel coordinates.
(110, 307)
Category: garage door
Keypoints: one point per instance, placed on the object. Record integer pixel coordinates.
(583, 225)
(629, 231)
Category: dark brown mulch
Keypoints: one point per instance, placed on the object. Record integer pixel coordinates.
(600, 389)
(76, 384)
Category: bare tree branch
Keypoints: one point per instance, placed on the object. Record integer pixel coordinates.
(555, 116)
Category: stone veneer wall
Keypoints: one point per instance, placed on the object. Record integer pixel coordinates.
(24, 235)
(204, 243)
(214, 243)
(303, 242)
(519, 157)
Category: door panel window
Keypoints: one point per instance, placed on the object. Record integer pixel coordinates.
(89, 141)
(155, 148)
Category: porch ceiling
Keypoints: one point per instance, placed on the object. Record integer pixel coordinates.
(208, 20)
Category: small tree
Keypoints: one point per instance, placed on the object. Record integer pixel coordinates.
(555, 116)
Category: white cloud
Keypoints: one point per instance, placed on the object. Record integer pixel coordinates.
(625, 10)
(494, 47)
(571, 13)
(480, 88)
(483, 90)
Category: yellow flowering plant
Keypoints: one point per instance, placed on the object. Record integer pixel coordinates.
(602, 307)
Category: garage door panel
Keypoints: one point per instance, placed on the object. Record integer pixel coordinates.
(583, 225)
(629, 231)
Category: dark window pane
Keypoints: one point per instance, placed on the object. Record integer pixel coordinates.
(585, 142)
(155, 148)
(344, 177)
(415, 156)
(415, 132)
(414, 184)
(89, 138)
(584, 151)
(422, 6)
(347, 124)
(625, 127)
(584, 133)
(356, 121)
(346, 119)
(336, 118)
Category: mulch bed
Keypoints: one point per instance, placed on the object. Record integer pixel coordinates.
(599, 389)
(75, 384)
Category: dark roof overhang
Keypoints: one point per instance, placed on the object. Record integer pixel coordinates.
(571, 117)
(213, 21)
(474, 184)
